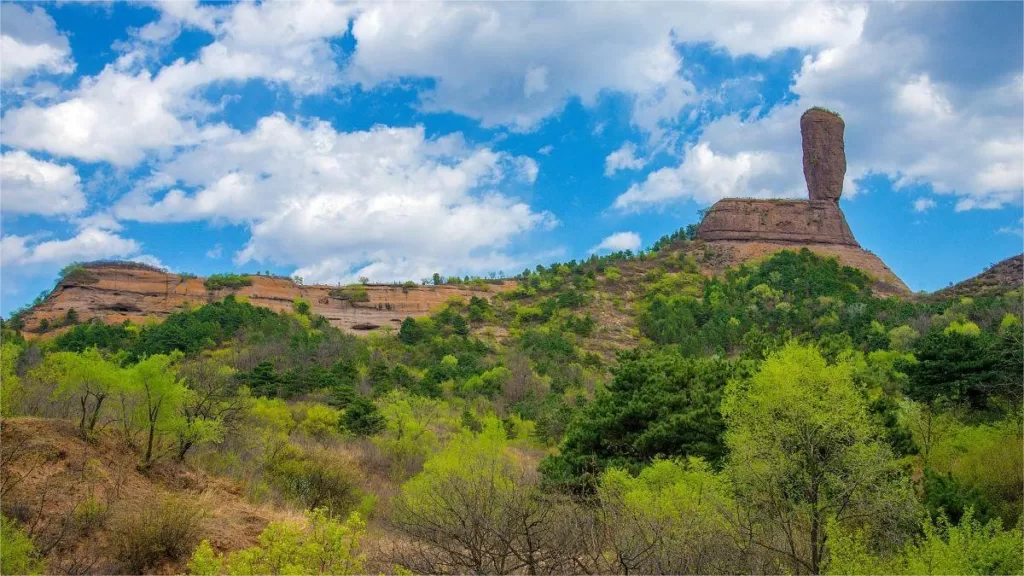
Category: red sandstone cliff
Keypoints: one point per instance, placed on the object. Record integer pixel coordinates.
(114, 292)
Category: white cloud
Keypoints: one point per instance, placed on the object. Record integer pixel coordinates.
(546, 150)
(31, 186)
(960, 140)
(706, 177)
(623, 159)
(924, 204)
(1016, 230)
(216, 252)
(338, 205)
(31, 44)
(126, 111)
(515, 64)
(618, 242)
(88, 244)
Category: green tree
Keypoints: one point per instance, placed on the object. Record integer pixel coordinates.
(804, 452)
(659, 404)
(958, 365)
(10, 384)
(362, 418)
(153, 387)
(88, 379)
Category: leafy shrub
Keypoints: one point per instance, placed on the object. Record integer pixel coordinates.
(323, 546)
(317, 480)
(350, 293)
(18, 554)
(146, 532)
(231, 281)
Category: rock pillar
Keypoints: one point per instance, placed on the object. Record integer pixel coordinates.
(824, 154)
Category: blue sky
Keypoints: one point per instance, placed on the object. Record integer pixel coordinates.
(338, 140)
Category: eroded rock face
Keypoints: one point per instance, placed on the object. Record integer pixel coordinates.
(824, 154)
(797, 221)
(118, 292)
(752, 229)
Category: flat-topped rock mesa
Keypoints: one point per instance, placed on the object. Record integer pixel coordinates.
(754, 228)
(117, 291)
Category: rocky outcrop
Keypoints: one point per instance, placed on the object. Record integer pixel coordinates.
(115, 292)
(797, 221)
(749, 229)
(824, 154)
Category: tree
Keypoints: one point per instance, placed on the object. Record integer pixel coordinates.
(87, 378)
(474, 510)
(669, 520)
(804, 452)
(211, 404)
(156, 392)
(10, 384)
(659, 404)
(436, 279)
(958, 365)
(362, 418)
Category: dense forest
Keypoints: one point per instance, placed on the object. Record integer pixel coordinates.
(778, 418)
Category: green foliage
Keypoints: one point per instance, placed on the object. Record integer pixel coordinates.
(959, 365)
(18, 553)
(10, 383)
(670, 519)
(967, 547)
(322, 546)
(659, 404)
(355, 293)
(228, 281)
(302, 306)
(362, 418)
(803, 452)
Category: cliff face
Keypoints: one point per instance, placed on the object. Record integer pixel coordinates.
(798, 221)
(114, 293)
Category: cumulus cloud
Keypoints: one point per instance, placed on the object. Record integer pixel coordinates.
(514, 64)
(127, 111)
(923, 204)
(960, 140)
(31, 186)
(31, 44)
(388, 203)
(623, 159)
(618, 242)
(88, 244)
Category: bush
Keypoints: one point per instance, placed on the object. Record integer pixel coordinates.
(323, 546)
(318, 481)
(18, 554)
(232, 281)
(146, 532)
(350, 293)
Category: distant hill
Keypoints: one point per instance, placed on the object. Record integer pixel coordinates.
(999, 279)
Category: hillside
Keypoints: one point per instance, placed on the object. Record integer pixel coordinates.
(239, 439)
(77, 497)
(1000, 278)
(113, 292)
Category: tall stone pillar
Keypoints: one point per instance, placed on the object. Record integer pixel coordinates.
(824, 154)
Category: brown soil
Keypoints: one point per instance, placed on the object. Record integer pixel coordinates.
(49, 471)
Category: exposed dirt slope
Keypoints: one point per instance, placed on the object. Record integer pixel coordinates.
(999, 279)
(50, 473)
(122, 291)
